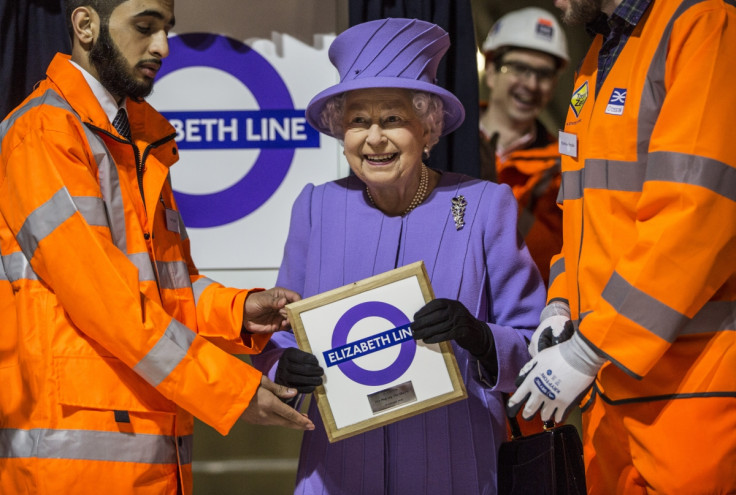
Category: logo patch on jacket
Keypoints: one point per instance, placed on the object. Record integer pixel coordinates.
(616, 102)
(579, 97)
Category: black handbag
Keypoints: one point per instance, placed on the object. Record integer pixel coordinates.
(545, 463)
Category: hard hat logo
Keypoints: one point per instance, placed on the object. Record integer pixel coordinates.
(531, 28)
(545, 30)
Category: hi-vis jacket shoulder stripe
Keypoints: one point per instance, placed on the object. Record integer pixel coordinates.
(102, 212)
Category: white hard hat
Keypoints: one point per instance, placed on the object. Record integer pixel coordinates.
(532, 28)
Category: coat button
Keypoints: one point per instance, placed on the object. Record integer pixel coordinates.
(173, 151)
(146, 235)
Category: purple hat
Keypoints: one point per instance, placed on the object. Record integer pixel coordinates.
(389, 53)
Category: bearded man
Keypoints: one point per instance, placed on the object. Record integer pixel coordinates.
(115, 338)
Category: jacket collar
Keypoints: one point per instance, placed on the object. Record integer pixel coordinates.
(104, 98)
(146, 124)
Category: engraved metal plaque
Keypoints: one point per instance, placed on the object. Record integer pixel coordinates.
(392, 397)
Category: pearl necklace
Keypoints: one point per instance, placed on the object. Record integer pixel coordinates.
(419, 196)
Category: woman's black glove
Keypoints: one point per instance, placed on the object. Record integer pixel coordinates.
(447, 319)
(298, 369)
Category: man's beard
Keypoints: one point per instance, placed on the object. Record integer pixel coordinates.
(581, 12)
(113, 70)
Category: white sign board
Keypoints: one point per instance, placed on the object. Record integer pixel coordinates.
(246, 150)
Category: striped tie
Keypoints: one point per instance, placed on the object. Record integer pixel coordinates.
(121, 124)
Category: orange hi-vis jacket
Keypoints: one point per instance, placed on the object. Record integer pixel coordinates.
(534, 176)
(648, 263)
(118, 340)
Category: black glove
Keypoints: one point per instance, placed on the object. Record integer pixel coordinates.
(298, 369)
(447, 319)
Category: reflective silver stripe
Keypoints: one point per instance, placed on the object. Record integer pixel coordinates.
(662, 320)
(87, 445)
(92, 209)
(173, 274)
(17, 267)
(613, 175)
(700, 171)
(182, 229)
(557, 269)
(654, 90)
(3, 275)
(50, 98)
(601, 174)
(110, 186)
(643, 309)
(199, 286)
(166, 354)
(142, 261)
(662, 166)
(714, 316)
(44, 220)
(571, 186)
(186, 448)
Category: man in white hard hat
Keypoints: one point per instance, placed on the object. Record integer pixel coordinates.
(525, 51)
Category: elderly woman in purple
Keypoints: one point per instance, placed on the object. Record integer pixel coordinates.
(393, 211)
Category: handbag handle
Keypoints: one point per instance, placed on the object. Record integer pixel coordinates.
(515, 428)
(514, 423)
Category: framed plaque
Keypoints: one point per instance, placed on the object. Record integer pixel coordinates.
(375, 372)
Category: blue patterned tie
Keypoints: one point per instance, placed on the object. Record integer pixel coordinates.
(121, 124)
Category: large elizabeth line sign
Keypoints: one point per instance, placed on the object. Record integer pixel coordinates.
(246, 148)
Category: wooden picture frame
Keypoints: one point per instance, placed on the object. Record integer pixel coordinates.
(381, 374)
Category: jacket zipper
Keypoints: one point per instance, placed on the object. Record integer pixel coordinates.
(139, 173)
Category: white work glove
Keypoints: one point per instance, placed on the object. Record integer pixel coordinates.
(555, 380)
(554, 327)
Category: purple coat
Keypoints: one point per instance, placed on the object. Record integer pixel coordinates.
(336, 237)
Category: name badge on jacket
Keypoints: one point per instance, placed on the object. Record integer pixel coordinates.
(172, 220)
(567, 144)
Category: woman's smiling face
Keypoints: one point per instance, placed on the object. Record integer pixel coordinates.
(384, 138)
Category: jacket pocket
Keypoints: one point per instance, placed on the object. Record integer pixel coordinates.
(106, 384)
